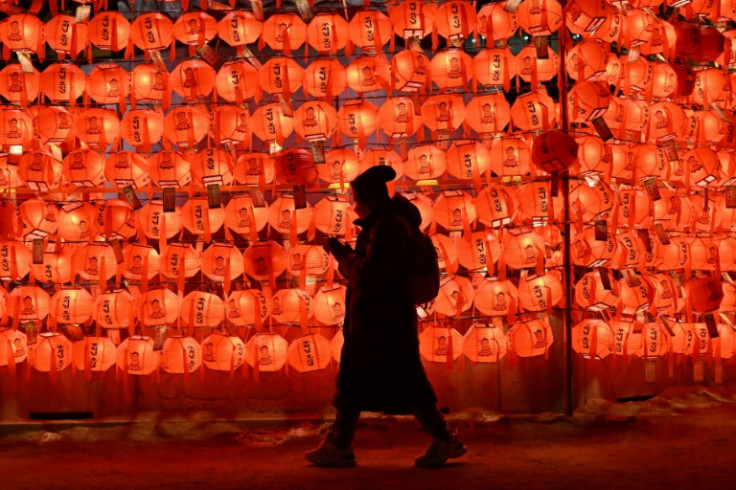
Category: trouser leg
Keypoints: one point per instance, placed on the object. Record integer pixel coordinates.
(343, 429)
(432, 421)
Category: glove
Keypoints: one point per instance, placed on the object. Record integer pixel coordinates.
(338, 249)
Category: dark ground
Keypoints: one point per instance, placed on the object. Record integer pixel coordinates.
(682, 439)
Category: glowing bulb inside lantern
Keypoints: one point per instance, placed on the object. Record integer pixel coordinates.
(16, 150)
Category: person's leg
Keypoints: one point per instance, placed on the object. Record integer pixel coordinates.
(342, 430)
(433, 422)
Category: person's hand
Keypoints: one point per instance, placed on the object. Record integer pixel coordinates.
(338, 249)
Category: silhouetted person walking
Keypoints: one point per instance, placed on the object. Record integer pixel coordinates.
(380, 367)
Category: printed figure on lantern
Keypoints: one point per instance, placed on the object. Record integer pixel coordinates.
(209, 352)
(500, 302)
(219, 269)
(14, 130)
(536, 7)
(264, 358)
(189, 80)
(704, 218)
(112, 88)
(423, 164)
(83, 229)
(455, 71)
(666, 289)
(444, 115)
(486, 116)
(402, 115)
(285, 221)
(92, 125)
(77, 162)
(310, 118)
(123, 161)
(511, 160)
(661, 120)
(276, 307)
(137, 266)
(483, 24)
(182, 123)
(244, 218)
(656, 37)
(167, 160)
(281, 32)
(242, 123)
(296, 261)
(261, 268)
(712, 255)
(134, 364)
(485, 348)
(15, 84)
(28, 308)
(674, 204)
(156, 311)
(539, 340)
(158, 83)
(381, 310)
(4, 182)
(92, 269)
(369, 79)
(531, 256)
(695, 165)
(193, 27)
(336, 170)
(457, 217)
(715, 291)
(421, 67)
(455, 298)
(19, 350)
(253, 168)
(441, 349)
(580, 249)
(50, 213)
(233, 311)
(526, 66)
(15, 34)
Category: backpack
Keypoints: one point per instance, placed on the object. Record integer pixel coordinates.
(423, 268)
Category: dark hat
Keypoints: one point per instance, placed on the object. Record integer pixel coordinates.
(372, 182)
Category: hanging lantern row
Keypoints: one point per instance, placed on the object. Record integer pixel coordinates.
(370, 30)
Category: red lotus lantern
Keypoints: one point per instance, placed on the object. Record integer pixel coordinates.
(485, 344)
(370, 73)
(221, 352)
(539, 17)
(212, 166)
(376, 156)
(592, 339)
(19, 87)
(109, 31)
(97, 127)
(467, 160)
(478, 252)
(530, 338)
(241, 215)
(309, 353)
(451, 69)
(76, 222)
(66, 36)
(202, 310)
(425, 162)
(265, 260)
(192, 79)
(650, 342)
(115, 218)
(639, 27)
(590, 203)
(587, 60)
(495, 22)
(85, 168)
(13, 345)
(327, 33)
(139, 261)
(282, 212)
(55, 125)
(295, 166)
(247, 307)
(181, 355)
(554, 151)
(357, 120)
(55, 268)
(95, 262)
(594, 156)
(151, 219)
(178, 256)
(496, 298)
(230, 124)
(443, 112)
(169, 169)
(39, 218)
(142, 128)
(667, 121)
(291, 306)
(496, 206)
(370, 30)
(588, 101)
(221, 259)
(589, 252)
(455, 20)
(266, 352)
(158, 307)
(63, 82)
(586, 16)
(239, 28)
(198, 218)
(488, 113)
(237, 81)
(186, 126)
(455, 296)
(52, 352)
(540, 293)
(342, 165)
(114, 309)
(412, 18)
(136, 355)
(333, 215)
(270, 125)
(593, 293)
(494, 67)
(534, 111)
(16, 129)
(410, 71)
(329, 305)
(454, 210)
(127, 168)
(152, 32)
(309, 259)
(534, 69)
(73, 305)
(437, 344)
(284, 32)
(315, 120)
(23, 33)
(523, 250)
(704, 294)
(325, 78)
(195, 29)
(149, 84)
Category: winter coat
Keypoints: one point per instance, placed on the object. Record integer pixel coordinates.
(380, 367)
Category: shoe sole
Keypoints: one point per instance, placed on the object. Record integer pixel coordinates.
(334, 464)
(434, 464)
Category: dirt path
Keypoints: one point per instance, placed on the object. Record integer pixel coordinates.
(684, 442)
